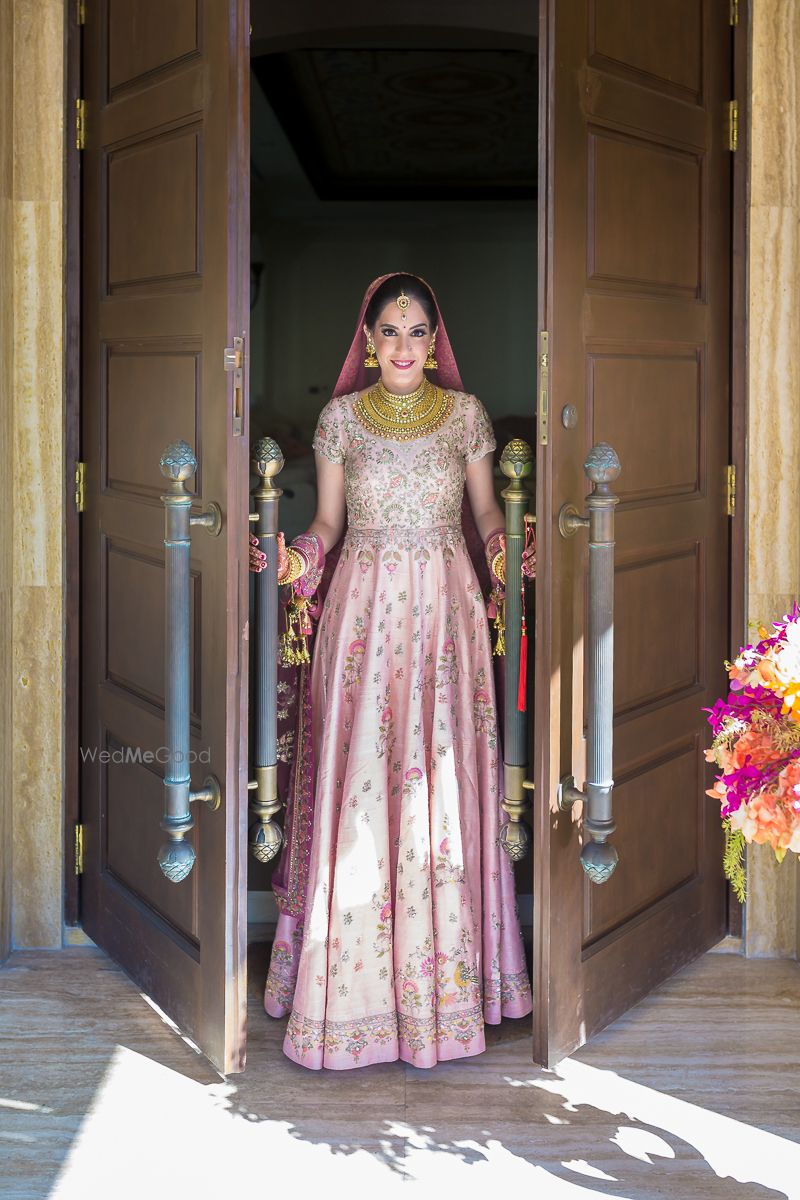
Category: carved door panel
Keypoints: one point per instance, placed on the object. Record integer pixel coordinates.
(165, 237)
(635, 294)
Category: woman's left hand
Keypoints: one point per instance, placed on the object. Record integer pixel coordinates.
(528, 558)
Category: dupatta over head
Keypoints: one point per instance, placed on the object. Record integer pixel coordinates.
(296, 768)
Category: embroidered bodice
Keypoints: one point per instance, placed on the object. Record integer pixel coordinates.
(412, 485)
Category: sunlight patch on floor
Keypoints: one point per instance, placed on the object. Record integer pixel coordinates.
(733, 1149)
(24, 1106)
(152, 1132)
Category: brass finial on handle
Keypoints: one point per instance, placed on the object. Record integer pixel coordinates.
(178, 463)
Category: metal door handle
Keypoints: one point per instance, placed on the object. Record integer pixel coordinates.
(516, 463)
(176, 857)
(598, 857)
(265, 833)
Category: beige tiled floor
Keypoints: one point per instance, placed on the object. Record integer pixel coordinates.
(695, 1093)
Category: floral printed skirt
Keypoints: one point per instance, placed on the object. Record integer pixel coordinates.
(411, 939)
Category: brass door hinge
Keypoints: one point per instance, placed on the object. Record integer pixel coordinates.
(730, 490)
(81, 5)
(734, 12)
(79, 849)
(80, 124)
(80, 486)
(733, 125)
(544, 387)
(233, 360)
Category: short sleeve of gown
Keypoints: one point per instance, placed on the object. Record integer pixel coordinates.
(480, 435)
(329, 437)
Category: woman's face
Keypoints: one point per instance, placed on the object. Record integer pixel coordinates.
(401, 345)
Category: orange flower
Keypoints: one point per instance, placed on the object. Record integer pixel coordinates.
(755, 745)
(766, 820)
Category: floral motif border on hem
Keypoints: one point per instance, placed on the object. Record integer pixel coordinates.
(508, 990)
(414, 1034)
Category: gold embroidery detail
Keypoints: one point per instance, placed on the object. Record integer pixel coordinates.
(404, 418)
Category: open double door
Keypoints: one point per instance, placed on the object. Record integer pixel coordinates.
(634, 289)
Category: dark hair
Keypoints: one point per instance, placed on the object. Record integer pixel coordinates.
(391, 288)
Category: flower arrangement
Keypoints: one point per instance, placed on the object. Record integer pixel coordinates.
(757, 748)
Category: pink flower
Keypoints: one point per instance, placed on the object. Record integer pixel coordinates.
(386, 911)
(427, 965)
(413, 775)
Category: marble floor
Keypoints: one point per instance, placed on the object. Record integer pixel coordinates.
(695, 1093)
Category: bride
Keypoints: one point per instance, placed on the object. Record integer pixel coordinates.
(398, 934)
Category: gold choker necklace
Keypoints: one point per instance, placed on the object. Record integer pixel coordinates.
(402, 403)
(404, 417)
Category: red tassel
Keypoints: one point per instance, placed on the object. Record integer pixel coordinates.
(522, 690)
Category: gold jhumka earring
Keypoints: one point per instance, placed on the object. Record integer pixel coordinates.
(430, 363)
(370, 360)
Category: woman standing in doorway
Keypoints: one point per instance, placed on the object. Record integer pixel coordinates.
(398, 935)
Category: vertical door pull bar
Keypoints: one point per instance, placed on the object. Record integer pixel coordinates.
(516, 463)
(265, 834)
(176, 857)
(598, 857)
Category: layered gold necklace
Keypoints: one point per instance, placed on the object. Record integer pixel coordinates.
(404, 417)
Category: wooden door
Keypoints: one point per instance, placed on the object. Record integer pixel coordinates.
(165, 237)
(635, 295)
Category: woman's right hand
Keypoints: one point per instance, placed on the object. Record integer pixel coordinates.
(258, 559)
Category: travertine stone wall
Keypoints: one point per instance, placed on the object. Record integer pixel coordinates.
(31, 454)
(774, 387)
(6, 459)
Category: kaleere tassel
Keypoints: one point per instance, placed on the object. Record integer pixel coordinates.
(295, 650)
(496, 609)
(294, 642)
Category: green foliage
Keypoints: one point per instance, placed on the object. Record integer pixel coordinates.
(733, 861)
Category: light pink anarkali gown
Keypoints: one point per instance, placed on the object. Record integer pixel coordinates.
(411, 939)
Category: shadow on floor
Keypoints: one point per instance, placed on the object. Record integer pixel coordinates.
(99, 1097)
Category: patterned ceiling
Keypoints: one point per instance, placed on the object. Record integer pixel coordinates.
(386, 123)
